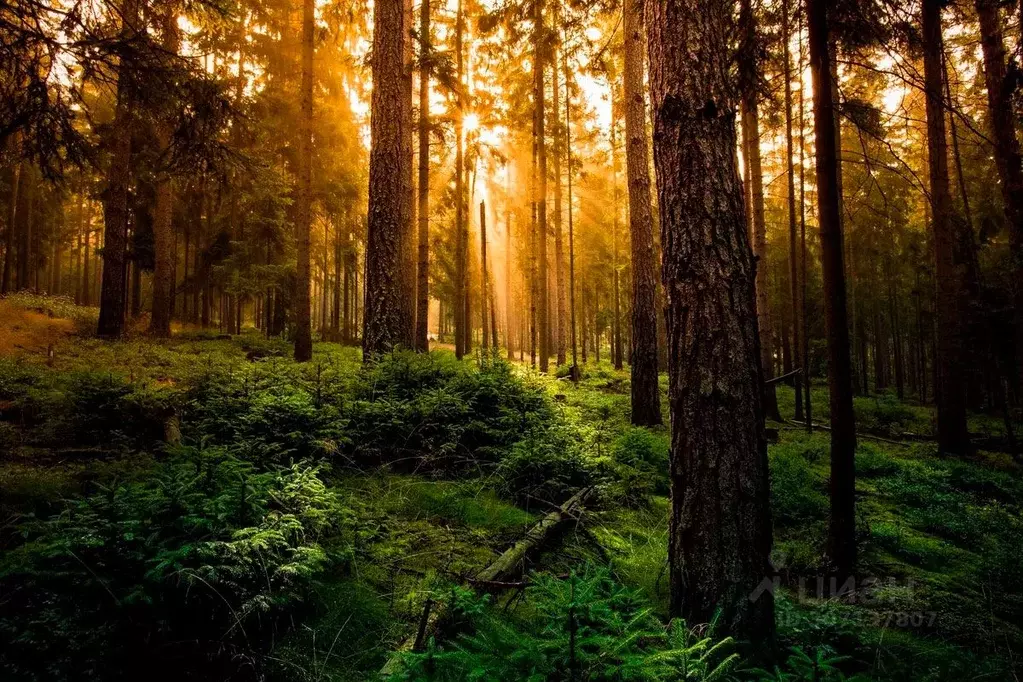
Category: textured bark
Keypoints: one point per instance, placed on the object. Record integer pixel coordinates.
(389, 315)
(115, 205)
(571, 227)
(1007, 151)
(462, 319)
(842, 531)
(951, 264)
(423, 270)
(163, 234)
(484, 284)
(646, 399)
(12, 221)
(807, 403)
(303, 191)
(540, 63)
(719, 529)
(559, 247)
(751, 145)
(790, 178)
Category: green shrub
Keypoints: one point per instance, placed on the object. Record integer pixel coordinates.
(195, 566)
(586, 628)
(796, 489)
(547, 464)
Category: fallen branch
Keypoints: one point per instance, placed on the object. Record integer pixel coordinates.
(495, 574)
(859, 434)
(783, 377)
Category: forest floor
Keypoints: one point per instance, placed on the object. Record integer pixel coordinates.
(311, 513)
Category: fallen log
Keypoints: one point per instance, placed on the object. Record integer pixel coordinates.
(783, 377)
(497, 572)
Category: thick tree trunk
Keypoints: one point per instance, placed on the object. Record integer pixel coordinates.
(115, 218)
(951, 300)
(389, 315)
(842, 532)
(719, 528)
(303, 193)
(423, 271)
(646, 400)
(1007, 152)
(540, 63)
(163, 234)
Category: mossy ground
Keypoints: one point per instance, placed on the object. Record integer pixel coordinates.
(942, 538)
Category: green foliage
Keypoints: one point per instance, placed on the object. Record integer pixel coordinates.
(797, 490)
(83, 317)
(585, 627)
(204, 544)
(822, 666)
(883, 414)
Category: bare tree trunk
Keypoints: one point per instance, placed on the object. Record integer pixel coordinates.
(12, 222)
(719, 527)
(842, 532)
(163, 233)
(483, 279)
(646, 399)
(751, 145)
(115, 221)
(951, 300)
(571, 229)
(794, 286)
(303, 193)
(462, 320)
(616, 302)
(423, 272)
(540, 64)
(1007, 152)
(389, 316)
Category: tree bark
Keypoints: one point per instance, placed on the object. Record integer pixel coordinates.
(423, 272)
(842, 531)
(12, 222)
(1007, 152)
(115, 218)
(483, 279)
(303, 192)
(389, 314)
(646, 399)
(719, 527)
(163, 234)
(559, 248)
(751, 144)
(951, 300)
(794, 274)
(540, 63)
(461, 308)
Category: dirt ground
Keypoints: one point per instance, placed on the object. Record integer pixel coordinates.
(26, 331)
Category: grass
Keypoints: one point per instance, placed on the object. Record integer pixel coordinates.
(943, 537)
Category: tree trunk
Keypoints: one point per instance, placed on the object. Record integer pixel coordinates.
(1007, 152)
(163, 234)
(571, 228)
(842, 531)
(951, 300)
(719, 528)
(303, 192)
(616, 296)
(115, 218)
(646, 399)
(790, 173)
(559, 247)
(423, 272)
(462, 320)
(389, 315)
(483, 279)
(12, 222)
(751, 146)
(539, 58)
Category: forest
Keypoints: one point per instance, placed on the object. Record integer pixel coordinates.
(511, 340)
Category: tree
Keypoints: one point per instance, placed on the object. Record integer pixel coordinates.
(389, 314)
(1007, 151)
(646, 399)
(303, 192)
(115, 205)
(749, 77)
(540, 63)
(794, 274)
(842, 530)
(719, 527)
(423, 185)
(163, 235)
